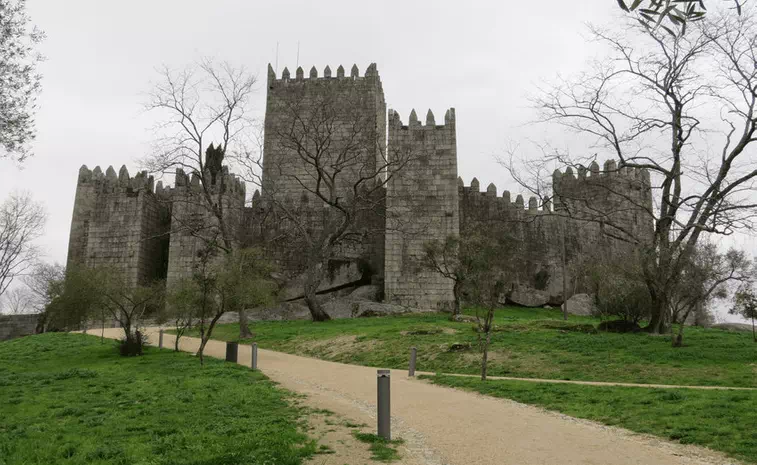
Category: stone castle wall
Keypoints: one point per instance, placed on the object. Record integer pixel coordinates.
(13, 326)
(119, 222)
(535, 230)
(531, 234)
(194, 225)
(421, 205)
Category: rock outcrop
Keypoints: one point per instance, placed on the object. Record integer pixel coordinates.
(528, 297)
(581, 304)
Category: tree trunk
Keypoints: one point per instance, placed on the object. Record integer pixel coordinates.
(754, 335)
(678, 338)
(316, 309)
(244, 328)
(312, 281)
(201, 350)
(487, 340)
(176, 343)
(456, 293)
(564, 260)
(658, 323)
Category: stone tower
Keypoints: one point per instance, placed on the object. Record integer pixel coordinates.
(421, 205)
(193, 225)
(341, 119)
(118, 221)
(349, 111)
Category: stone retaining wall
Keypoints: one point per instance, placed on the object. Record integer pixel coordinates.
(13, 326)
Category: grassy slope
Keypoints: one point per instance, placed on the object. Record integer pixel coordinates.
(68, 399)
(529, 343)
(722, 420)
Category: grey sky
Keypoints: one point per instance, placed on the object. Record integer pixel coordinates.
(482, 57)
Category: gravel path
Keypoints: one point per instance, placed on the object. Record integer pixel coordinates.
(447, 426)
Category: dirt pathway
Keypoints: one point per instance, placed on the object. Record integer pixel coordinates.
(446, 426)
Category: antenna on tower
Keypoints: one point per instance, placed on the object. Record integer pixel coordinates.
(298, 54)
(277, 56)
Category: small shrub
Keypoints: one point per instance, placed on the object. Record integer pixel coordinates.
(624, 299)
(132, 346)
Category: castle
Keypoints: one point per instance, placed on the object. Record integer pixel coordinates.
(146, 229)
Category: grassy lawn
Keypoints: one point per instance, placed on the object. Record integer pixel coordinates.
(721, 420)
(68, 399)
(532, 343)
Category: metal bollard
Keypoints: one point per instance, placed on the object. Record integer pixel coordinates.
(413, 354)
(232, 351)
(384, 410)
(254, 358)
(160, 339)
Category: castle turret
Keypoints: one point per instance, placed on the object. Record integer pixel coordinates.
(119, 222)
(421, 205)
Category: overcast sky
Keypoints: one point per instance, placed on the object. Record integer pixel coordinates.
(482, 57)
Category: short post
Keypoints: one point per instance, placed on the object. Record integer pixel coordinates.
(413, 354)
(160, 339)
(254, 357)
(384, 411)
(232, 351)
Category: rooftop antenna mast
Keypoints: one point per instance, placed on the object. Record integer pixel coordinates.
(277, 56)
(298, 54)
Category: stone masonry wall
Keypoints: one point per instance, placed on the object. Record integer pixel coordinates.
(347, 113)
(119, 222)
(193, 225)
(535, 231)
(13, 326)
(422, 205)
(531, 235)
(341, 119)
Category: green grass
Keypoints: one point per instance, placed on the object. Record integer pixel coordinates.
(381, 449)
(531, 343)
(68, 399)
(721, 420)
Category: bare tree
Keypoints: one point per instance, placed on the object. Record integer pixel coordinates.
(449, 260)
(198, 106)
(654, 87)
(21, 222)
(19, 79)
(17, 301)
(337, 162)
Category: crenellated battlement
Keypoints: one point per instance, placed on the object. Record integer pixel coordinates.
(593, 172)
(110, 181)
(395, 121)
(184, 182)
(371, 73)
(503, 202)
